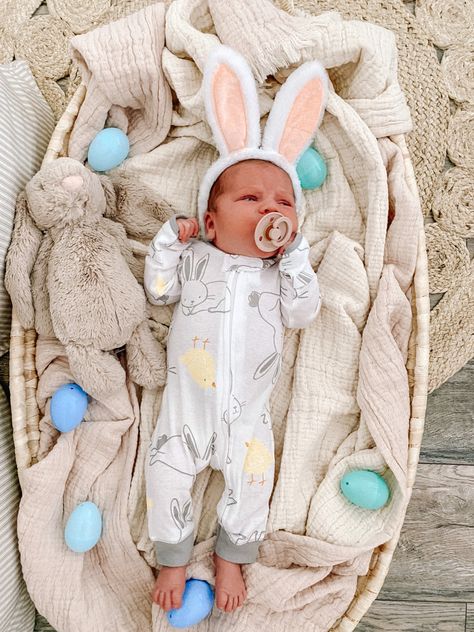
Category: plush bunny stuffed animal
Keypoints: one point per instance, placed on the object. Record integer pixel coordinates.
(68, 272)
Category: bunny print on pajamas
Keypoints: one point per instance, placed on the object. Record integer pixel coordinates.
(196, 296)
(224, 348)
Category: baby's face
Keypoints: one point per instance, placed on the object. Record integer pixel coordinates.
(248, 190)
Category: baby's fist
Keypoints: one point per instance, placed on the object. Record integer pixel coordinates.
(187, 228)
(281, 250)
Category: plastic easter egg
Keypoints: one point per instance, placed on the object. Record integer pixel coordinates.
(84, 527)
(311, 169)
(365, 489)
(198, 600)
(108, 149)
(68, 407)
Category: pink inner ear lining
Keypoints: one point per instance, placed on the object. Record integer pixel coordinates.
(302, 119)
(229, 106)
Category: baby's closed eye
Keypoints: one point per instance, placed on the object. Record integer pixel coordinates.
(253, 198)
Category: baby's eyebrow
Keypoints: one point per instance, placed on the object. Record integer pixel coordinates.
(255, 189)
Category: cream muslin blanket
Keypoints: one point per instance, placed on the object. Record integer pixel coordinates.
(343, 398)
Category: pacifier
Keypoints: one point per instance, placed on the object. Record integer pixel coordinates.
(272, 232)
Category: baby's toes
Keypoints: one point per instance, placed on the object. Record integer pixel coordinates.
(167, 601)
(175, 599)
(221, 599)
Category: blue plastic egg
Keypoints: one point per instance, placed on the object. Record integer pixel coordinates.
(365, 489)
(311, 169)
(108, 149)
(84, 527)
(68, 407)
(198, 600)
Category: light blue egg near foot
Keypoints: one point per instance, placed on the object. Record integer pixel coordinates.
(68, 407)
(198, 600)
(311, 169)
(365, 488)
(108, 149)
(84, 527)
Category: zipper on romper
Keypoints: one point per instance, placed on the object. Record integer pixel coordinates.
(229, 384)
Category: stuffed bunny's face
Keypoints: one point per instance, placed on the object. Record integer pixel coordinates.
(64, 192)
(245, 192)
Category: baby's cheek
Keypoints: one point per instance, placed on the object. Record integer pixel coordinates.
(291, 215)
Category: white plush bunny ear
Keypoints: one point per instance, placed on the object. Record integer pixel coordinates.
(231, 101)
(297, 111)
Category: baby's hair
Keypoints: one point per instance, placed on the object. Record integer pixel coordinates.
(218, 186)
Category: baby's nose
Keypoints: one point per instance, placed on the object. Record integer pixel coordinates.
(267, 209)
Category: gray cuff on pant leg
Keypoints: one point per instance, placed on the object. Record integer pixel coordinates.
(174, 554)
(238, 553)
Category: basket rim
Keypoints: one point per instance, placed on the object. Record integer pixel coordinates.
(382, 555)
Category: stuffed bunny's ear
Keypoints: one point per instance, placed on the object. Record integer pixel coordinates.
(21, 256)
(231, 101)
(297, 111)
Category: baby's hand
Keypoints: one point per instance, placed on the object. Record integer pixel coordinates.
(285, 246)
(187, 228)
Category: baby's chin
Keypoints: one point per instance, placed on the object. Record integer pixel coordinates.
(244, 250)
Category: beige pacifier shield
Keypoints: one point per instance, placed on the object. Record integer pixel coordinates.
(272, 232)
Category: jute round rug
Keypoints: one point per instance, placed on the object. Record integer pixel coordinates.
(440, 96)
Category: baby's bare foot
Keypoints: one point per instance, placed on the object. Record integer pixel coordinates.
(169, 587)
(230, 585)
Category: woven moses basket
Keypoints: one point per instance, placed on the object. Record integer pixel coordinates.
(26, 416)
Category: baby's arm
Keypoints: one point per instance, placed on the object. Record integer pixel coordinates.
(299, 287)
(161, 279)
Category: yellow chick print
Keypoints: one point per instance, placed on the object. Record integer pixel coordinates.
(200, 365)
(257, 461)
(160, 286)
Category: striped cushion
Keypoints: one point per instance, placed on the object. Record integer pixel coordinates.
(26, 123)
(17, 612)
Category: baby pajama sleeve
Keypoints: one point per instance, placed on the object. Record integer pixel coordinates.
(161, 280)
(299, 288)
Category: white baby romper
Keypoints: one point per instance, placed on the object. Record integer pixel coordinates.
(224, 357)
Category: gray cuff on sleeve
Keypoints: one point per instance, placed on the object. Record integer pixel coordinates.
(295, 243)
(174, 554)
(238, 553)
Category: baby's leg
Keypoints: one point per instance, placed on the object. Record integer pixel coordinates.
(243, 507)
(170, 474)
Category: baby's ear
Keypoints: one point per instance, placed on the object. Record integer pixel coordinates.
(297, 111)
(209, 226)
(231, 101)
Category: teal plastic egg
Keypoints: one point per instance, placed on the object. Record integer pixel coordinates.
(84, 527)
(365, 489)
(198, 600)
(68, 407)
(108, 149)
(311, 169)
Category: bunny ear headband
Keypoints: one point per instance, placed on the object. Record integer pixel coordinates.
(230, 97)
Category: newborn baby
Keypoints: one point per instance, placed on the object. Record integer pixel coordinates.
(224, 357)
